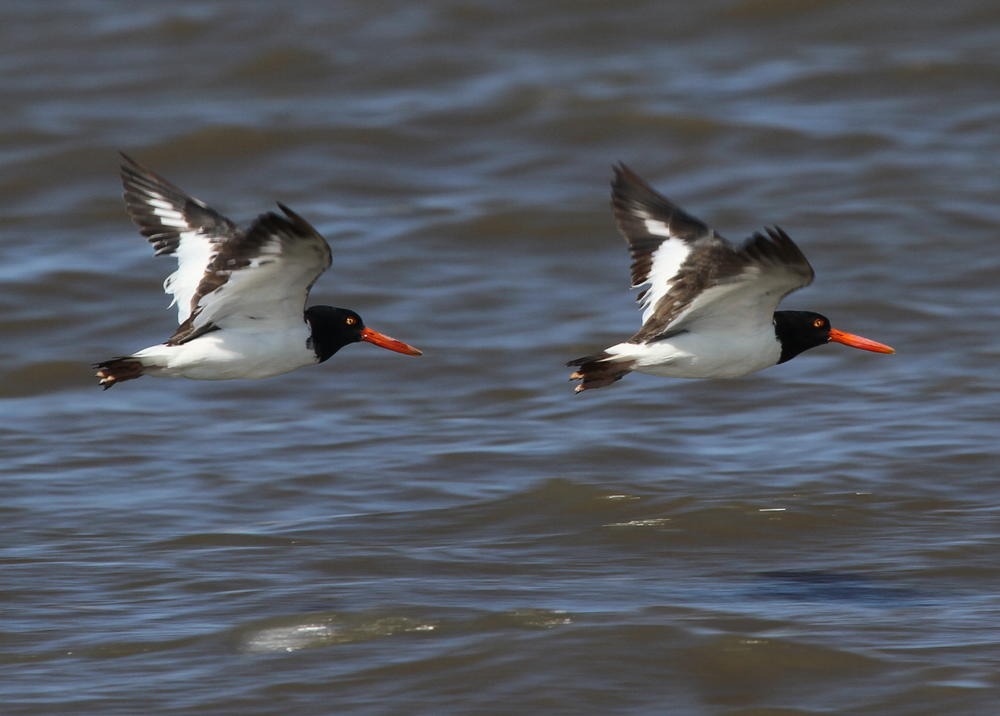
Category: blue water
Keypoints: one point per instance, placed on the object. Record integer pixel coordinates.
(459, 532)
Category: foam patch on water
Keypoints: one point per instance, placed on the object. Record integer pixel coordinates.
(652, 522)
(290, 638)
(293, 637)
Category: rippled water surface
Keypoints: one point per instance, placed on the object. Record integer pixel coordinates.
(460, 533)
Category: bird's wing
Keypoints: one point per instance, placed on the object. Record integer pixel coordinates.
(692, 272)
(225, 274)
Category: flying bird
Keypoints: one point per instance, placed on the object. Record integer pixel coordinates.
(240, 293)
(709, 307)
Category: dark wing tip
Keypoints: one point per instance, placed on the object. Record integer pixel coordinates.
(619, 172)
(130, 167)
(633, 197)
(646, 219)
(288, 228)
(777, 247)
(139, 180)
(143, 186)
(301, 244)
(628, 185)
(127, 160)
(296, 221)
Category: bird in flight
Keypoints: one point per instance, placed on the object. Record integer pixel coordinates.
(709, 307)
(240, 293)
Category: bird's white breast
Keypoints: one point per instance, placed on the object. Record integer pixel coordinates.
(233, 353)
(698, 354)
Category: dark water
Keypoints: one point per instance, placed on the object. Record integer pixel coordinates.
(459, 533)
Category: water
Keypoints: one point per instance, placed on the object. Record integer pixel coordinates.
(459, 533)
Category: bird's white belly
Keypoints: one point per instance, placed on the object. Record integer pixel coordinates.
(703, 355)
(228, 354)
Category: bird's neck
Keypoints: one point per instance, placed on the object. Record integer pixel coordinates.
(323, 341)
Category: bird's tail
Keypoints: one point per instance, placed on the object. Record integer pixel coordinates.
(116, 370)
(599, 370)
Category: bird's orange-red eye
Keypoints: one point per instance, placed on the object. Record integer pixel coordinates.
(818, 323)
(351, 320)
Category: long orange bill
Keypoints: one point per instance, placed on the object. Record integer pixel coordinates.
(384, 341)
(849, 339)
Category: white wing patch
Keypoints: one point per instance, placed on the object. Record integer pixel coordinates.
(168, 215)
(193, 254)
(657, 227)
(667, 260)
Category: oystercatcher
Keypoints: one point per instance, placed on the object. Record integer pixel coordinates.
(709, 308)
(240, 293)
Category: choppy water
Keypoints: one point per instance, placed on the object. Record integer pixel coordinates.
(459, 533)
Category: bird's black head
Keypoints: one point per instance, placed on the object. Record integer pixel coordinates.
(799, 331)
(333, 328)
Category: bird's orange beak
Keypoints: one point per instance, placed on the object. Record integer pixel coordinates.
(849, 339)
(384, 341)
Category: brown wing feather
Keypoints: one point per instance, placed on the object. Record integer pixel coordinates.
(268, 240)
(633, 201)
(718, 264)
(144, 189)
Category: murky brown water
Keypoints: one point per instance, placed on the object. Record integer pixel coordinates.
(459, 533)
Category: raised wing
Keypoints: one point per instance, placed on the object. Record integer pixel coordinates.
(225, 275)
(176, 224)
(690, 268)
(660, 236)
(263, 275)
